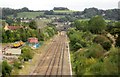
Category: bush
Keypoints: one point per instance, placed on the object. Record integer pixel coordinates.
(104, 41)
(106, 45)
(6, 69)
(76, 40)
(118, 41)
(27, 53)
(95, 51)
(111, 62)
(33, 25)
(17, 64)
(97, 68)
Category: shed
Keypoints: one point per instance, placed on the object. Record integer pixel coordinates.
(33, 40)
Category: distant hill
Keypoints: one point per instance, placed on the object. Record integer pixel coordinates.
(110, 14)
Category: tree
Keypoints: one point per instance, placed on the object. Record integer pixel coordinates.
(90, 12)
(9, 21)
(33, 25)
(118, 41)
(51, 12)
(4, 37)
(97, 24)
(81, 25)
(15, 15)
(27, 53)
(76, 40)
(6, 69)
(25, 9)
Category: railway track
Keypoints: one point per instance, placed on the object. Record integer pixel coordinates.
(54, 61)
(43, 58)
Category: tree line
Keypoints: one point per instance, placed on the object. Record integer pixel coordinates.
(111, 14)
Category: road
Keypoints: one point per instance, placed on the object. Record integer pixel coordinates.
(55, 60)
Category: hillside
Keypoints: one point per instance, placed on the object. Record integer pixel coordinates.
(28, 14)
(64, 11)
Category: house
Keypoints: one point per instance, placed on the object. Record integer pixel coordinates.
(33, 40)
(12, 27)
(12, 53)
(26, 21)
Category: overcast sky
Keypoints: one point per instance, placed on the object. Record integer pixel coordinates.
(49, 4)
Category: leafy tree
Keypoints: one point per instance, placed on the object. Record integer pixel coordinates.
(15, 14)
(6, 69)
(27, 53)
(25, 9)
(76, 40)
(90, 12)
(96, 24)
(4, 37)
(9, 21)
(17, 64)
(51, 12)
(81, 25)
(33, 25)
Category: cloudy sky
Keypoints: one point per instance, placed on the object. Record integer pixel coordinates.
(49, 4)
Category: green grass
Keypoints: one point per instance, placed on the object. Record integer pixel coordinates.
(28, 14)
(64, 11)
(107, 20)
(89, 19)
(84, 19)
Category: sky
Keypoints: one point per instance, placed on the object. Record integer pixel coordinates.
(50, 4)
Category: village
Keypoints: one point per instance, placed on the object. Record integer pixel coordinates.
(12, 51)
(22, 37)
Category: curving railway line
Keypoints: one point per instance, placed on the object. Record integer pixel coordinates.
(55, 60)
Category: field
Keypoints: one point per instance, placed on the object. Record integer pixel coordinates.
(64, 11)
(29, 14)
(34, 14)
(84, 19)
(89, 19)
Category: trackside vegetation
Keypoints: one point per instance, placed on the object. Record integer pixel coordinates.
(93, 52)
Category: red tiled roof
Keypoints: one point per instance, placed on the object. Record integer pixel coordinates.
(33, 40)
(14, 27)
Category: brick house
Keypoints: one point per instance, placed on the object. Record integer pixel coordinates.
(12, 27)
